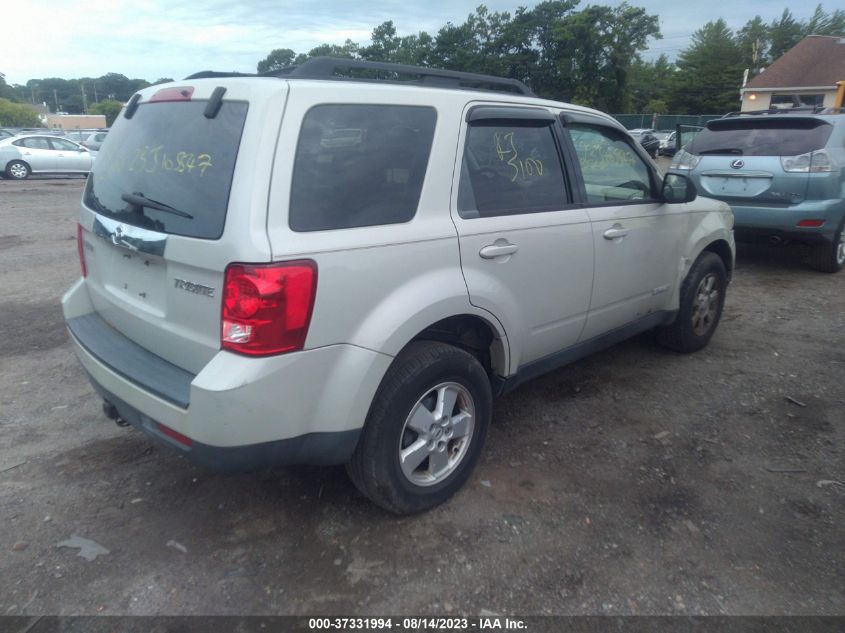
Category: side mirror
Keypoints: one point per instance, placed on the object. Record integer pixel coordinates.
(678, 189)
(81, 149)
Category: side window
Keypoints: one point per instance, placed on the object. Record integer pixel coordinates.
(612, 170)
(510, 169)
(35, 142)
(359, 165)
(61, 144)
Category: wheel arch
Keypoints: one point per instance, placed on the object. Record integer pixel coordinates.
(721, 248)
(474, 334)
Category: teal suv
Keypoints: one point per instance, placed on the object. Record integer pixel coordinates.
(782, 173)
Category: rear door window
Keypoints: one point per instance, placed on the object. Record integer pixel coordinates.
(37, 142)
(761, 137)
(169, 153)
(511, 168)
(359, 165)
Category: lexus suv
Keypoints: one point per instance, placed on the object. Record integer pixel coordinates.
(318, 266)
(782, 172)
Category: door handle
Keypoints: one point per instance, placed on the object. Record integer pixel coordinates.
(615, 232)
(498, 250)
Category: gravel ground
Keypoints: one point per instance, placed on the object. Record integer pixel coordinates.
(637, 481)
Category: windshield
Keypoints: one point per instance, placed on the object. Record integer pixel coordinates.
(761, 137)
(169, 157)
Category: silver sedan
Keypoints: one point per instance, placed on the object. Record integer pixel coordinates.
(40, 154)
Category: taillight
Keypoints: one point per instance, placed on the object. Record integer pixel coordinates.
(267, 307)
(816, 162)
(80, 248)
(813, 224)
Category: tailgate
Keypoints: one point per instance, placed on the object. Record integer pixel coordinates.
(179, 191)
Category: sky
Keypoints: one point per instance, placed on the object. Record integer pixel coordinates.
(149, 39)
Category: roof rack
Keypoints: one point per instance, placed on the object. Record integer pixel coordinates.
(338, 69)
(817, 109)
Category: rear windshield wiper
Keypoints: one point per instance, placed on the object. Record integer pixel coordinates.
(138, 199)
(722, 150)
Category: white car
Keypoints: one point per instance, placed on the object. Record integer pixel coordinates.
(292, 268)
(28, 154)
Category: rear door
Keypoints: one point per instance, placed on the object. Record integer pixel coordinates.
(526, 249)
(637, 237)
(38, 153)
(155, 268)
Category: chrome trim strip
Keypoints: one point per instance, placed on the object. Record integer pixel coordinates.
(738, 174)
(132, 237)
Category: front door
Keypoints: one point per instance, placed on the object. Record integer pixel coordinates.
(70, 157)
(636, 236)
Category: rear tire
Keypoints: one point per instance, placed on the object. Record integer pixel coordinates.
(702, 300)
(830, 258)
(17, 170)
(425, 429)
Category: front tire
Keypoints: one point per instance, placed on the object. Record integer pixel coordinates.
(17, 170)
(702, 300)
(425, 429)
(830, 258)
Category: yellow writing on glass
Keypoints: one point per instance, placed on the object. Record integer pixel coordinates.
(152, 159)
(523, 168)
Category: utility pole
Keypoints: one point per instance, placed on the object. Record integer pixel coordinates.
(84, 99)
(56, 100)
(96, 100)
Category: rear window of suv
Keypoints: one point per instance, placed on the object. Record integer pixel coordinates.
(761, 137)
(169, 153)
(359, 165)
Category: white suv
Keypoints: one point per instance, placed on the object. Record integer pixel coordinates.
(314, 268)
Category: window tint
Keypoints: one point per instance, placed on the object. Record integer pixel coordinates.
(510, 169)
(359, 165)
(787, 136)
(61, 144)
(612, 170)
(36, 142)
(171, 153)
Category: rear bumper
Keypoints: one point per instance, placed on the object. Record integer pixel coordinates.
(311, 448)
(753, 223)
(239, 412)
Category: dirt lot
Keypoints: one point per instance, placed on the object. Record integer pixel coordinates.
(636, 481)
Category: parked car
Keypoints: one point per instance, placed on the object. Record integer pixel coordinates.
(781, 172)
(4, 133)
(94, 140)
(78, 136)
(302, 270)
(21, 156)
(647, 139)
(667, 142)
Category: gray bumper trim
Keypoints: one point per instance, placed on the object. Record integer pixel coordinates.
(125, 357)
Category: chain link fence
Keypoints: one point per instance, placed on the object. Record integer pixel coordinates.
(663, 121)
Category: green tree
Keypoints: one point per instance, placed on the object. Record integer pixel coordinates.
(111, 109)
(650, 81)
(825, 23)
(656, 106)
(276, 60)
(384, 44)
(753, 41)
(784, 33)
(709, 73)
(17, 115)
